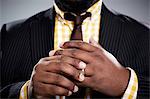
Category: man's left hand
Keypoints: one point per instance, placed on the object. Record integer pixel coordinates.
(103, 72)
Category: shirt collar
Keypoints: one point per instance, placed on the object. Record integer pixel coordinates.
(95, 9)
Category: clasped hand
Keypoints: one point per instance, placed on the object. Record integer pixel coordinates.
(60, 74)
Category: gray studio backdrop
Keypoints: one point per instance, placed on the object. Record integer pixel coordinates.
(11, 10)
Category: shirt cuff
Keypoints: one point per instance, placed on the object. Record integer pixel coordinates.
(24, 91)
(132, 88)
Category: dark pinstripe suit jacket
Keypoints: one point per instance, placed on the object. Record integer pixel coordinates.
(24, 44)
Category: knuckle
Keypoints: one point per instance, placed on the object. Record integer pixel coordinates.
(61, 91)
(90, 70)
(58, 52)
(70, 86)
(50, 78)
(61, 66)
(34, 78)
(56, 66)
(41, 60)
(62, 57)
(36, 90)
(80, 44)
(37, 67)
(48, 88)
(70, 71)
(76, 62)
(74, 73)
(74, 52)
(58, 79)
(39, 64)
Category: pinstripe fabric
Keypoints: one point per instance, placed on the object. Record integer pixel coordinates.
(24, 45)
(63, 29)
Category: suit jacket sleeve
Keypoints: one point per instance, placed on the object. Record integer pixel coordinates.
(11, 90)
(13, 76)
(135, 41)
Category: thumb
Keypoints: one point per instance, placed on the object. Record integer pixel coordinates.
(51, 53)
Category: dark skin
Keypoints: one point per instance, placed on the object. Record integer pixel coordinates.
(101, 73)
(73, 5)
(49, 76)
(58, 74)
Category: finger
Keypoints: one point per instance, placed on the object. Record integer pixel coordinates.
(49, 58)
(86, 83)
(59, 80)
(42, 64)
(79, 45)
(76, 53)
(56, 66)
(44, 61)
(89, 70)
(51, 53)
(72, 61)
(63, 68)
(50, 90)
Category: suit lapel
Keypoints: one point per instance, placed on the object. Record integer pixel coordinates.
(110, 31)
(42, 35)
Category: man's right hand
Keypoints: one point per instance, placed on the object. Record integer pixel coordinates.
(50, 76)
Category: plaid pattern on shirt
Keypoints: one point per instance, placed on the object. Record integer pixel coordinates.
(90, 28)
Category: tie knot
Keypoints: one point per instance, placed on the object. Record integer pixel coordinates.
(78, 19)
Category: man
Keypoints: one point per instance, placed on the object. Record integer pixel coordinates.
(82, 66)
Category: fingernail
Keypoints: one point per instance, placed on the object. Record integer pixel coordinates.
(81, 77)
(82, 65)
(69, 93)
(75, 89)
(61, 44)
(51, 53)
